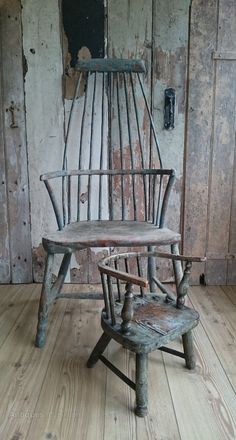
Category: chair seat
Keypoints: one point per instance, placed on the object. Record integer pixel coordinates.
(154, 324)
(106, 233)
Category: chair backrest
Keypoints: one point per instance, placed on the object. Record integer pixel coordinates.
(110, 123)
(112, 147)
(141, 195)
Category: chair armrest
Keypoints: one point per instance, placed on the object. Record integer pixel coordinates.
(123, 276)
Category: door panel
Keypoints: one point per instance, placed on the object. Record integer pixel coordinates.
(209, 220)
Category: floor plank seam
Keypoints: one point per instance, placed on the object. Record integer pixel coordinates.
(46, 371)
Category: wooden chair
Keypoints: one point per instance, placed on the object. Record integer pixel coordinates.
(142, 321)
(112, 190)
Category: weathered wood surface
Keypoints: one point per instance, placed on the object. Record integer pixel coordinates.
(111, 65)
(170, 42)
(219, 324)
(143, 323)
(5, 261)
(14, 145)
(130, 34)
(210, 160)
(199, 128)
(222, 225)
(65, 399)
(73, 389)
(21, 363)
(44, 111)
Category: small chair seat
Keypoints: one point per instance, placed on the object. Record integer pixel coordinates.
(102, 233)
(154, 324)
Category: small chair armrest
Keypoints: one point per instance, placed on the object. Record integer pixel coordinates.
(123, 276)
(174, 257)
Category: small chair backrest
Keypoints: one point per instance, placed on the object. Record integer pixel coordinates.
(120, 271)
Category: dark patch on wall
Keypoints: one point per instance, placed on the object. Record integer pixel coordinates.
(83, 22)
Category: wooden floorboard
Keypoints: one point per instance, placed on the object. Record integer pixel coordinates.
(218, 319)
(50, 394)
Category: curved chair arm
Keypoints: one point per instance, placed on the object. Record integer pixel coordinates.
(104, 265)
(130, 279)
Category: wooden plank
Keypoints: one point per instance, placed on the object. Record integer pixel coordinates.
(170, 50)
(72, 400)
(5, 262)
(221, 181)
(203, 29)
(44, 110)
(231, 275)
(15, 143)
(230, 291)
(23, 367)
(221, 226)
(224, 56)
(111, 65)
(218, 319)
(227, 26)
(204, 400)
(50, 393)
(12, 303)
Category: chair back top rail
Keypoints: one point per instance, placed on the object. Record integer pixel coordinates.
(111, 65)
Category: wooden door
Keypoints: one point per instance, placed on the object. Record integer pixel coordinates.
(210, 198)
(15, 240)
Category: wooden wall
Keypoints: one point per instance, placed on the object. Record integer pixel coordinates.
(210, 202)
(15, 237)
(142, 29)
(157, 31)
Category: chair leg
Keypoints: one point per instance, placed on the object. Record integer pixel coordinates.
(98, 350)
(141, 384)
(178, 271)
(49, 294)
(189, 350)
(152, 270)
(44, 302)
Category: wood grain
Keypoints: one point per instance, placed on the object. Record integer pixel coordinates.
(22, 367)
(50, 393)
(170, 43)
(203, 28)
(15, 143)
(205, 396)
(70, 391)
(5, 263)
(11, 307)
(219, 324)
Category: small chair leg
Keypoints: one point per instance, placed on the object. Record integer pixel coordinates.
(189, 350)
(141, 384)
(44, 303)
(178, 271)
(98, 350)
